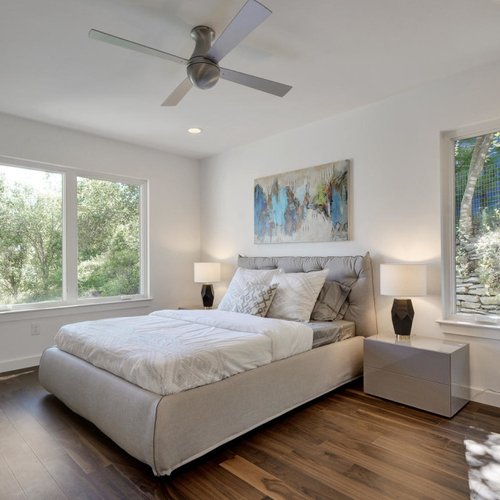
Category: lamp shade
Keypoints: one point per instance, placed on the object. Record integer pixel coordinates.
(206, 272)
(403, 280)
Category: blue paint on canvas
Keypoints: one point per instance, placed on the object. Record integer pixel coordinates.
(303, 205)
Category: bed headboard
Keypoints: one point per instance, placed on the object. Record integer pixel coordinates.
(355, 271)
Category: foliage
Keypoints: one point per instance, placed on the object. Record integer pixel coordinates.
(108, 238)
(463, 156)
(31, 239)
(488, 248)
(30, 245)
(465, 266)
(479, 253)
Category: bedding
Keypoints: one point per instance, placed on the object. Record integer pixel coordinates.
(328, 332)
(171, 351)
(332, 302)
(296, 294)
(241, 280)
(255, 299)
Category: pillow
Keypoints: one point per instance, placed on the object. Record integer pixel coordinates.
(241, 279)
(332, 302)
(255, 299)
(296, 295)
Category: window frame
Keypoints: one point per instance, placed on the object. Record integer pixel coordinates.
(70, 238)
(454, 322)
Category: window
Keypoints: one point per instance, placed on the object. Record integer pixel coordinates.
(31, 228)
(69, 238)
(109, 238)
(472, 250)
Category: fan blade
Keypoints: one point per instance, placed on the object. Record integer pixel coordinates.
(248, 18)
(127, 44)
(275, 88)
(178, 93)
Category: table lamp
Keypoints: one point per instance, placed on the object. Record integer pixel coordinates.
(207, 273)
(403, 280)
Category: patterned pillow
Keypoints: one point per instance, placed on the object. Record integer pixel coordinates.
(241, 279)
(256, 299)
(332, 302)
(296, 295)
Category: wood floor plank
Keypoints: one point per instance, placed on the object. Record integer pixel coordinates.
(72, 480)
(112, 485)
(398, 438)
(325, 473)
(427, 488)
(209, 481)
(34, 479)
(296, 477)
(9, 486)
(406, 464)
(39, 440)
(260, 479)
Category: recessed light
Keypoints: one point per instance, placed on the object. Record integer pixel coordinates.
(195, 130)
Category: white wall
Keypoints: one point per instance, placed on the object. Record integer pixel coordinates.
(174, 225)
(395, 149)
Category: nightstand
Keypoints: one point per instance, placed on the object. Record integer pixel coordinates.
(427, 373)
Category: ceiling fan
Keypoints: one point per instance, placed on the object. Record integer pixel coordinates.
(203, 70)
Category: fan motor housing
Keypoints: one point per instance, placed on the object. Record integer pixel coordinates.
(203, 72)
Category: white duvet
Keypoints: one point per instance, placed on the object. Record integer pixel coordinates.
(171, 351)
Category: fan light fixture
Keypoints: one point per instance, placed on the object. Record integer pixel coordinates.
(195, 130)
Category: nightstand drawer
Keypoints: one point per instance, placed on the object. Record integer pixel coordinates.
(417, 363)
(424, 394)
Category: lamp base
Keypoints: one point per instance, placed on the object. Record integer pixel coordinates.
(402, 316)
(207, 295)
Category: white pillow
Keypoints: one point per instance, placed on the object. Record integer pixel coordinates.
(256, 299)
(241, 279)
(296, 295)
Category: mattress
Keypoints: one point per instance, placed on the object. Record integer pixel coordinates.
(328, 332)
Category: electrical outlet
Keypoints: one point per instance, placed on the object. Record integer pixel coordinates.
(35, 329)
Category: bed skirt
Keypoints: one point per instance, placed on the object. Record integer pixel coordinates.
(168, 431)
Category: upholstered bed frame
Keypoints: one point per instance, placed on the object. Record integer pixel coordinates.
(169, 431)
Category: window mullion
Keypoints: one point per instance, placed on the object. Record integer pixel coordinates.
(144, 241)
(448, 228)
(70, 238)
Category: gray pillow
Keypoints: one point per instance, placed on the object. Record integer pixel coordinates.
(332, 302)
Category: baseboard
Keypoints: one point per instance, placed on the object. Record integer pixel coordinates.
(485, 396)
(19, 363)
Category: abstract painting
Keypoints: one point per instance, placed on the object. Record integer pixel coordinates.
(310, 204)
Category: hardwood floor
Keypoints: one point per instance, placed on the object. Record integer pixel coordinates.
(344, 445)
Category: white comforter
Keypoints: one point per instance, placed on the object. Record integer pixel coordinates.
(171, 351)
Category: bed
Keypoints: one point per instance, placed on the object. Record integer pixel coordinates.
(167, 431)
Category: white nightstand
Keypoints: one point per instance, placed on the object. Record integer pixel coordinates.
(426, 373)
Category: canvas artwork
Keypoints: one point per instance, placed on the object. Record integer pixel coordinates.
(310, 204)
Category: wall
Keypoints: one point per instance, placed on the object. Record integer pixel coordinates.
(174, 225)
(395, 149)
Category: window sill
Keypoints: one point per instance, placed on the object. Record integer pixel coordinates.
(470, 328)
(71, 309)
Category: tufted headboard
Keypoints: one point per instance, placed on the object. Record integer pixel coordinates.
(355, 271)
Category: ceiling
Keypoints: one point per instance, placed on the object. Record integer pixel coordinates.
(337, 55)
